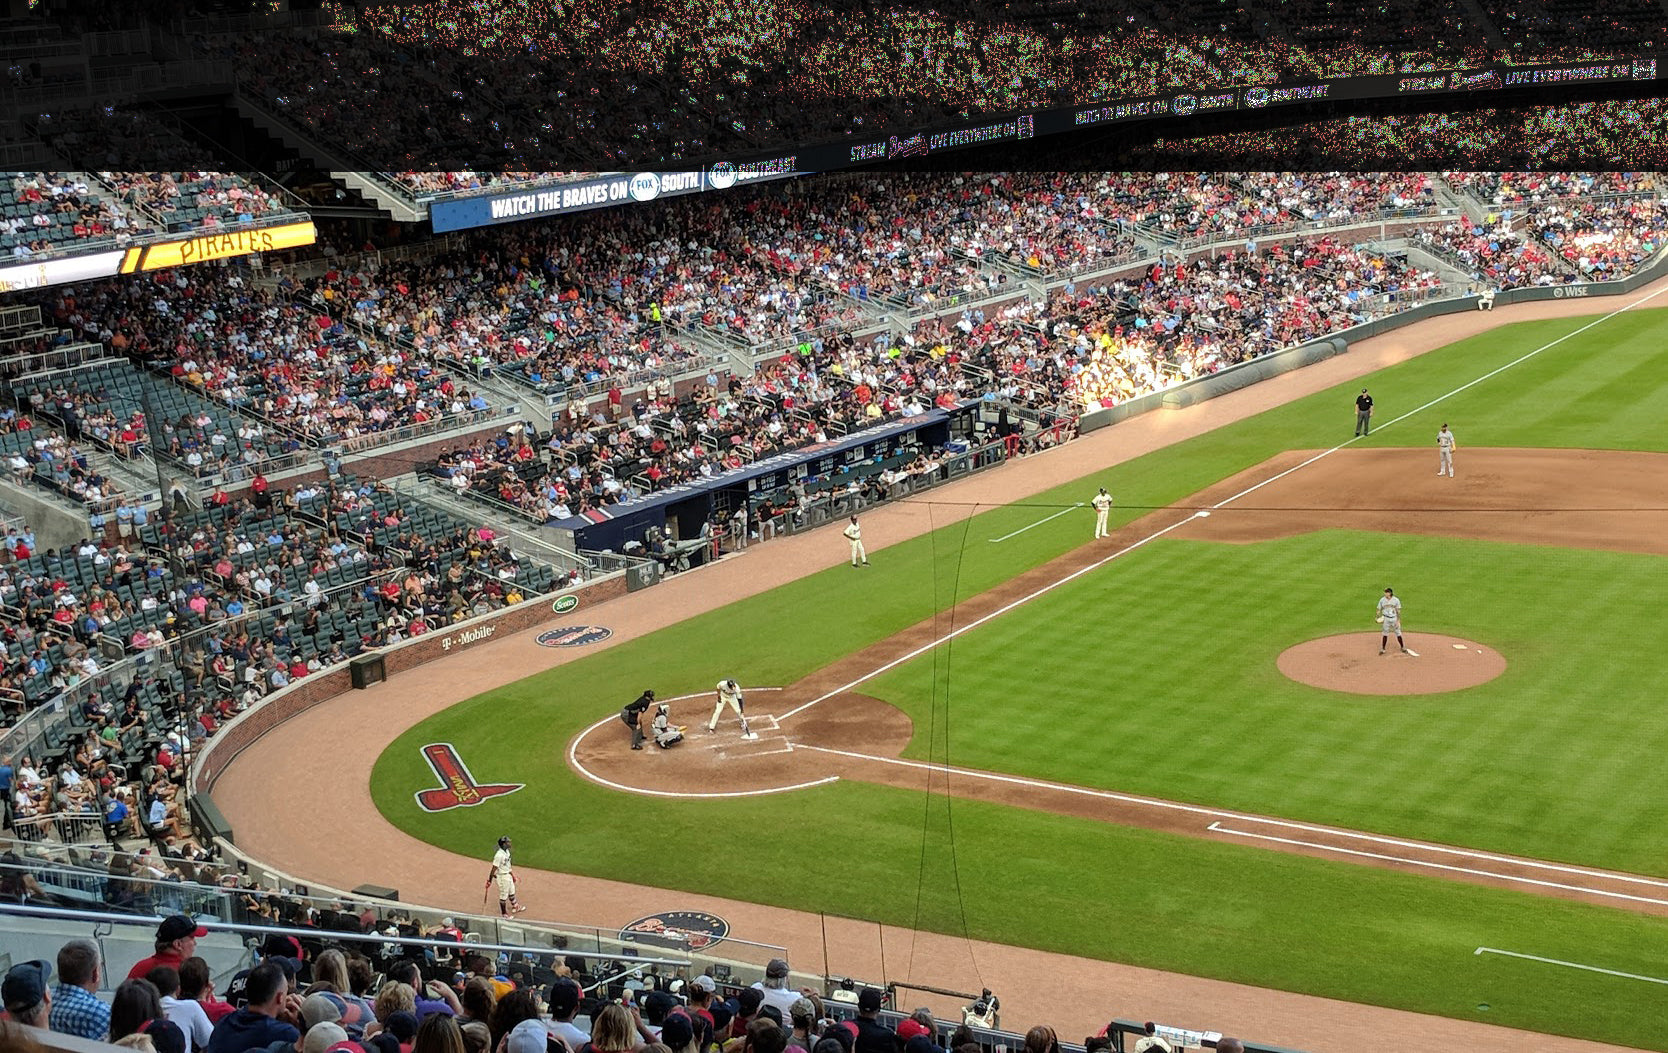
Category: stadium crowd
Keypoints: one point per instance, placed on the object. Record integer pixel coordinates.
(341, 987)
(693, 79)
(1611, 133)
(804, 276)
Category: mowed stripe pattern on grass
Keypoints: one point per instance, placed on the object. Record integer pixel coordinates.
(1535, 763)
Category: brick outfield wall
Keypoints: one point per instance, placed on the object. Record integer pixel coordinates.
(249, 727)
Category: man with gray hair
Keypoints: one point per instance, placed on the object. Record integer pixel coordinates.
(76, 1010)
(776, 989)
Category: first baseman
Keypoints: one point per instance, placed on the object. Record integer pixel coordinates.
(729, 693)
(505, 877)
(1445, 448)
(1103, 505)
(1390, 613)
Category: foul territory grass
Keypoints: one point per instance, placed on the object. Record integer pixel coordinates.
(1072, 885)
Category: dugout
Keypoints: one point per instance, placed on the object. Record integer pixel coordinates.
(682, 510)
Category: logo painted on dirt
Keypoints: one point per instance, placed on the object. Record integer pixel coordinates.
(681, 929)
(564, 604)
(458, 788)
(574, 636)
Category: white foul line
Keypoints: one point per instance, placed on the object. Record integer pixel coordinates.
(1220, 814)
(1038, 523)
(1074, 575)
(1572, 965)
(1219, 828)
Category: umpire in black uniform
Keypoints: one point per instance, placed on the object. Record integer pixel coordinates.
(632, 717)
(1363, 413)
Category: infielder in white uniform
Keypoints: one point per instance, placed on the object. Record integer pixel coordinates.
(1103, 505)
(505, 877)
(1445, 452)
(854, 534)
(729, 693)
(1390, 614)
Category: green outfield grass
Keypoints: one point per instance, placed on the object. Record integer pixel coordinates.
(1540, 762)
(1553, 759)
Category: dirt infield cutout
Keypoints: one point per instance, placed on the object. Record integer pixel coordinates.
(1351, 662)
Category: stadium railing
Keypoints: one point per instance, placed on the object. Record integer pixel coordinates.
(1317, 227)
(107, 925)
(66, 357)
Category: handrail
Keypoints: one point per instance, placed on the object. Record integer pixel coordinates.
(216, 925)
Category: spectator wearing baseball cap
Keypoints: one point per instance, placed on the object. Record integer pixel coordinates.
(529, 1036)
(777, 989)
(747, 1005)
(802, 1019)
(872, 1035)
(701, 992)
(564, 1005)
(403, 1026)
(328, 1008)
(324, 1037)
(176, 940)
(165, 1035)
(24, 990)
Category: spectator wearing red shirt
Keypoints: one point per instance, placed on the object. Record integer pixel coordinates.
(176, 940)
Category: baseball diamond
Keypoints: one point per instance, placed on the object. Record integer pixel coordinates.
(1202, 759)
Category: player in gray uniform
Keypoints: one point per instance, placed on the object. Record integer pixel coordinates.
(1445, 452)
(1390, 614)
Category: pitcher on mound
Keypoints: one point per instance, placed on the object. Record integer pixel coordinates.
(1390, 616)
(729, 692)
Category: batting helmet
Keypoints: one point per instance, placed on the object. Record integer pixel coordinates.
(503, 842)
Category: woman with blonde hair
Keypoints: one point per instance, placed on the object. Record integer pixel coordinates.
(614, 1031)
(331, 967)
(394, 998)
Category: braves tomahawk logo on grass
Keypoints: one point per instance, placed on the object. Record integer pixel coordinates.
(458, 788)
(690, 930)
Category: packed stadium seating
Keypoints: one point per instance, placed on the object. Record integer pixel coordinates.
(741, 77)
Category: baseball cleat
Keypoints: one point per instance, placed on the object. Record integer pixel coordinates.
(1381, 650)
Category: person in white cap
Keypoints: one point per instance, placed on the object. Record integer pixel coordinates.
(729, 694)
(854, 534)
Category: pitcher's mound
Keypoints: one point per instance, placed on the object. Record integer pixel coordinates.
(1351, 662)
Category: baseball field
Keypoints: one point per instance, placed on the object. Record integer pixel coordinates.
(1126, 770)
